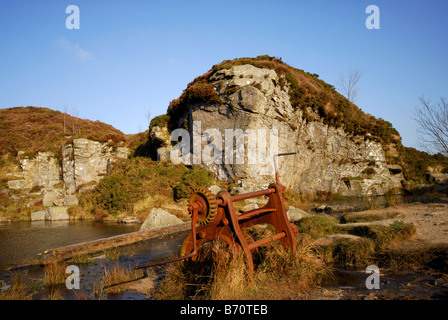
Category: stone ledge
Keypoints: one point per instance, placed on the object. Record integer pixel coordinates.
(51, 214)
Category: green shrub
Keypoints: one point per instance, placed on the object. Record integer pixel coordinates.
(383, 236)
(197, 177)
(160, 121)
(136, 178)
(415, 163)
(352, 253)
(114, 193)
(317, 226)
(369, 171)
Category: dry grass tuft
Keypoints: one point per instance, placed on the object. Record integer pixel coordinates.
(220, 274)
(54, 273)
(18, 290)
(114, 278)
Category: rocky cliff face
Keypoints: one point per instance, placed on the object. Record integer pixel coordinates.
(84, 162)
(41, 170)
(327, 159)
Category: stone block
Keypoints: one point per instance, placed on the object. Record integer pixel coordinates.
(295, 214)
(57, 213)
(39, 215)
(51, 197)
(20, 184)
(158, 218)
(130, 220)
(71, 200)
(215, 189)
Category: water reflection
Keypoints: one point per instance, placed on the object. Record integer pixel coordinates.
(22, 240)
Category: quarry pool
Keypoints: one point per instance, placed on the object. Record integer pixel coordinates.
(23, 240)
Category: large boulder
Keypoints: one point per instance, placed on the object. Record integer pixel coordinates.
(295, 214)
(39, 215)
(158, 218)
(57, 213)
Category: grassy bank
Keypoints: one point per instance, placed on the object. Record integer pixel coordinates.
(366, 245)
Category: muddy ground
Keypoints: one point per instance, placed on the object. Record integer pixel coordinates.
(411, 282)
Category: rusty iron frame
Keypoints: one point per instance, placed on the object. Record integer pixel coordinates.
(230, 227)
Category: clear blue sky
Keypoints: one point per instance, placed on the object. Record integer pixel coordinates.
(130, 57)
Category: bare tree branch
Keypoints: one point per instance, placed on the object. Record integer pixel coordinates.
(65, 116)
(148, 117)
(432, 121)
(347, 84)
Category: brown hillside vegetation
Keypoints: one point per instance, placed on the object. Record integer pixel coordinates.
(35, 129)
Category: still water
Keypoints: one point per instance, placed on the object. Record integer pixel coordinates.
(23, 240)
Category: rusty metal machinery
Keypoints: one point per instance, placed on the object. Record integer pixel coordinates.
(218, 219)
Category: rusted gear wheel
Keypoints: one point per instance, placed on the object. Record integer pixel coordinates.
(205, 201)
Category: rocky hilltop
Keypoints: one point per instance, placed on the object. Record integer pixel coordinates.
(339, 149)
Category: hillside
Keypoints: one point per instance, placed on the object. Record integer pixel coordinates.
(311, 99)
(34, 129)
(316, 98)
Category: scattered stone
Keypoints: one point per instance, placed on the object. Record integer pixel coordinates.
(295, 214)
(20, 184)
(261, 202)
(237, 190)
(164, 154)
(215, 189)
(4, 220)
(58, 202)
(332, 238)
(159, 218)
(248, 207)
(160, 136)
(129, 220)
(102, 256)
(71, 200)
(437, 177)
